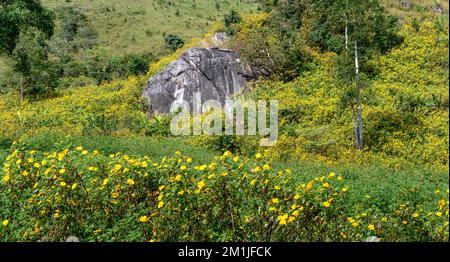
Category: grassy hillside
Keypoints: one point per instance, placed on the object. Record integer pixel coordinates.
(405, 107)
(132, 30)
(137, 26)
(91, 163)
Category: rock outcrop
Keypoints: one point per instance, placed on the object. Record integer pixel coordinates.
(217, 73)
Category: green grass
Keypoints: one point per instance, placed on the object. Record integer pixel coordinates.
(388, 187)
(138, 26)
(378, 184)
(153, 147)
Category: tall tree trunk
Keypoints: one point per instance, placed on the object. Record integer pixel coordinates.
(346, 34)
(21, 90)
(355, 127)
(358, 100)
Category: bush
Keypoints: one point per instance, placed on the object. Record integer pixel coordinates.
(173, 42)
(230, 21)
(76, 192)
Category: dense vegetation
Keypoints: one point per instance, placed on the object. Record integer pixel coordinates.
(88, 161)
(92, 42)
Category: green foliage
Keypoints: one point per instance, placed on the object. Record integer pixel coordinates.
(404, 105)
(173, 42)
(36, 75)
(367, 21)
(230, 21)
(19, 15)
(102, 67)
(83, 193)
(262, 45)
(311, 186)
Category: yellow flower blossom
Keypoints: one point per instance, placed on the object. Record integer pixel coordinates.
(6, 178)
(441, 203)
(201, 185)
(283, 219)
(309, 186)
(96, 232)
(144, 219)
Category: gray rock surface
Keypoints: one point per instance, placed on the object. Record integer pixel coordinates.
(405, 3)
(72, 239)
(437, 8)
(217, 73)
(372, 239)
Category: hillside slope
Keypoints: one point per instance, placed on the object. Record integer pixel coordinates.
(138, 26)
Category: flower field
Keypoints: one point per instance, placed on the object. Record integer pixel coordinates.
(90, 162)
(48, 196)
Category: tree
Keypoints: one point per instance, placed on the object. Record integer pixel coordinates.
(72, 22)
(273, 43)
(364, 21)
(230, 20)
(18, 15)
(86, 39)
(339, 25)
(173, 42)
(29, 60)
(25, 25)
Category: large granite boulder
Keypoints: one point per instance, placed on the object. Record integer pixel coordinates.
(217, 73)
